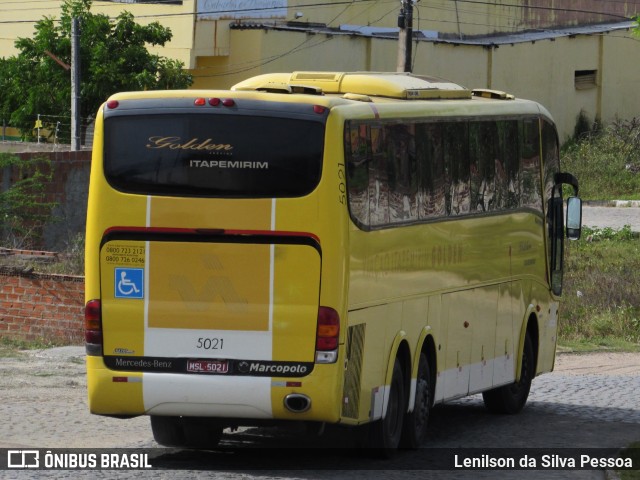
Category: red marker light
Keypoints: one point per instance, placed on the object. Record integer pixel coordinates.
(199, 102)
(319, 109)
(228, 102)
(92, 322)
(328, 330)
(112, 104)
(214, 102)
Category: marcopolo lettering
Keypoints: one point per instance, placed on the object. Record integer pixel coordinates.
(277, 368)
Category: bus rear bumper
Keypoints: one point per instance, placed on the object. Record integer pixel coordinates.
(118, 393)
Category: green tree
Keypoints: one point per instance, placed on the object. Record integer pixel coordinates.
(113, 57)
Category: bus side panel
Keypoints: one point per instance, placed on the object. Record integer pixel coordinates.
(489, 304)
(547, 319)
(470, 340)
(509, 306)
(414, 318)
(381, 325)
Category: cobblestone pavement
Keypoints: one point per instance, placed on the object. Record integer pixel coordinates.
(590, 401)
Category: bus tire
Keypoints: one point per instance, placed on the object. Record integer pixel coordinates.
(512, 398)
(387, 432)
(204, 433)
(167, 431)
(414, 430)
(186, 432)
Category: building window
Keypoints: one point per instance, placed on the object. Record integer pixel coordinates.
(585, 79)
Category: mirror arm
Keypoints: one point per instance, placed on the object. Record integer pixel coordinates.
(564, 177)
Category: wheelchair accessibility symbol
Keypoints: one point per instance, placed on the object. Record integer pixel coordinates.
(129, 282)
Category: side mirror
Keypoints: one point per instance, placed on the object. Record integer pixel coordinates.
(574, 218)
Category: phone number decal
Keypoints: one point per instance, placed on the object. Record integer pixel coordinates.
(124, 254)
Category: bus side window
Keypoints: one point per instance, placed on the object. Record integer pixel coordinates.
(379, 178)
(508, 166)
(430, 157)
(358, 158)
(401, 172)
(456, 154)
(530, 161)
(483, 141)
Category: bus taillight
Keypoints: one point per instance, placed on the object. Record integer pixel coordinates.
(327, 335)
(93, 327)
(214, 102)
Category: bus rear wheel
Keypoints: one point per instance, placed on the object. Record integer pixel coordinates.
(186, 432)
(387, 432)
(415, 423)
(512, 398)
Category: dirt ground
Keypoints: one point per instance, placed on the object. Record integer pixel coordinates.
(598, 363)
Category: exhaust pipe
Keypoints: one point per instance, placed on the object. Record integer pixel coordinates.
(297, 403)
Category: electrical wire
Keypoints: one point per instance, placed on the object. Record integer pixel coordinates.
(348, 3)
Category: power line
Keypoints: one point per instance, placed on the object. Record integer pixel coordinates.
(348, 3)
(222, 12)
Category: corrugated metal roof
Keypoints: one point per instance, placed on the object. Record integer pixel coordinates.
(533, 36)
(429, 36)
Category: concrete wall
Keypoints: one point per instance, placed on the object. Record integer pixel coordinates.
(542, 70)
(42, 307)
(68, 189)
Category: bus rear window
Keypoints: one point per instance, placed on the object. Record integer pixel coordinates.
(213, 155)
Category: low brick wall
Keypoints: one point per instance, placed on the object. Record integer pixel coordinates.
(42, 307)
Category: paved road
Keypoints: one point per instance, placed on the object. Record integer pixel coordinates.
(588, 402)
(601, 216)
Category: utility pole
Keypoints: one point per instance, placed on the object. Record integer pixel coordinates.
(405, 36)
(75, 84)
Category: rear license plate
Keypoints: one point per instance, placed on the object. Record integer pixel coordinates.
(207, 366)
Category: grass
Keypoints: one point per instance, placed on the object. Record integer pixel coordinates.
(633, 452)
(606, 161)
(68, 262)
(12, 348)
(600, 309)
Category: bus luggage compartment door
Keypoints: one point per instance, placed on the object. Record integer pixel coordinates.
(172, 306)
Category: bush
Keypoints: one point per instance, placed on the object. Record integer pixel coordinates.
(23, 206)
(601, 299)
(606, 161)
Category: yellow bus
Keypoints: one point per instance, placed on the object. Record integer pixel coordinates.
(330, 248)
